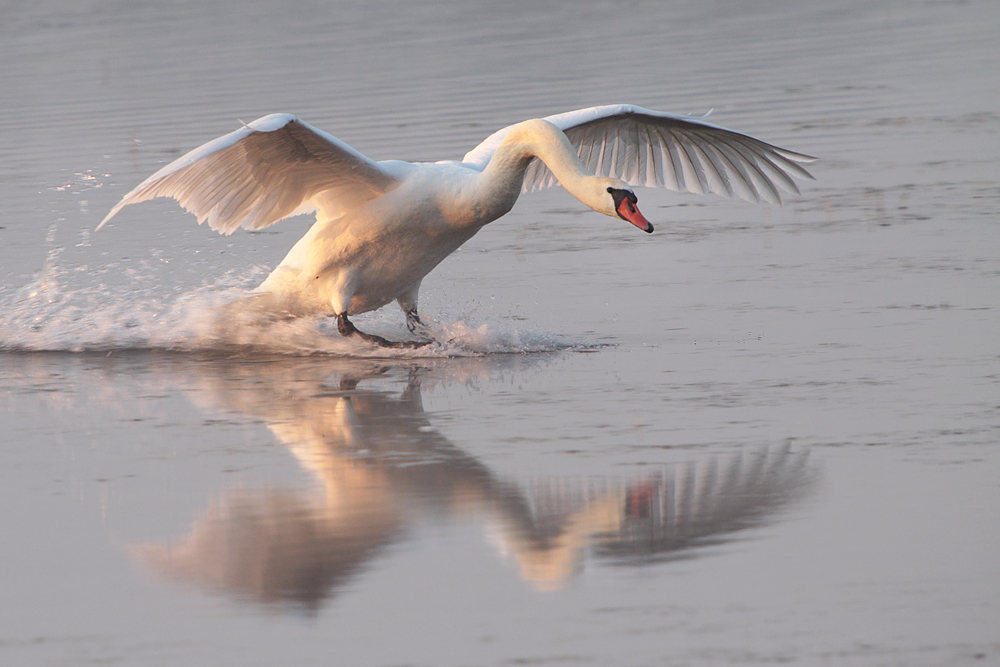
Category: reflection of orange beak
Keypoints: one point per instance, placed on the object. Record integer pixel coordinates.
(627, 211)
(639, 501)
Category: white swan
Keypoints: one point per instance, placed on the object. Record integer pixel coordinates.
(382, 226)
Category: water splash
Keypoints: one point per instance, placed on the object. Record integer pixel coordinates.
(72, 309)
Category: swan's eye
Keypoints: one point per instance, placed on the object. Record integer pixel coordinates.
(623, 197)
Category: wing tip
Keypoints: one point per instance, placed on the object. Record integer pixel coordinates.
(802, 157)
(112, 213)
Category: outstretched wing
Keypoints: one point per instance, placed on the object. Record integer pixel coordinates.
(659, 149)
(274, 167)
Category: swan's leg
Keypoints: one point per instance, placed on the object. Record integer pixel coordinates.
(413, 320)
(408, 302)
(343, 292)
(347, 329)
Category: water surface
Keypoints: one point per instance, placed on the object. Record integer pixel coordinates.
(760, 434)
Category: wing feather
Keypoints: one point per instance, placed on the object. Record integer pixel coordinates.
(659, 171)
(752, 169)
(728, 178)
(693, 165)
(774, 164)
(712, 177)
(635, 158)
(676, 164)
(597, 161)
(262, 173)
(652, 166)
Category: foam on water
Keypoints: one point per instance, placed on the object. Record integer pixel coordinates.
(68, 309)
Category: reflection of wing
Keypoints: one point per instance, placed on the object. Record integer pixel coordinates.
(659, 149)
(696, 507)
(263, 172)
(648, 520)
(275, 546)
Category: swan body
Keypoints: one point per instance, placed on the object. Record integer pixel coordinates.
(382, 226)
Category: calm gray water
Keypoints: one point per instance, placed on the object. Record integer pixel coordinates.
(758, 435)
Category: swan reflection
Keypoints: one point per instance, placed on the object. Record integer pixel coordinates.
(382, 469)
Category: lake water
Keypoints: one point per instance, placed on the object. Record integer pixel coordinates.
(757, 435)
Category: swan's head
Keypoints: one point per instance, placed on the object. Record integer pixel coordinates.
(617, 200)
(624, 201)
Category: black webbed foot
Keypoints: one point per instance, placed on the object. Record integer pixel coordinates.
(347, 328)
(413, 321)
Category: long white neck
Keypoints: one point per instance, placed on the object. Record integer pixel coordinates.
(504, 175)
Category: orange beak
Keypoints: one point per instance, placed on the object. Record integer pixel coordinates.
(627, 211)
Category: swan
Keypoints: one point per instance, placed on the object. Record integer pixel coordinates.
(382, 226)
